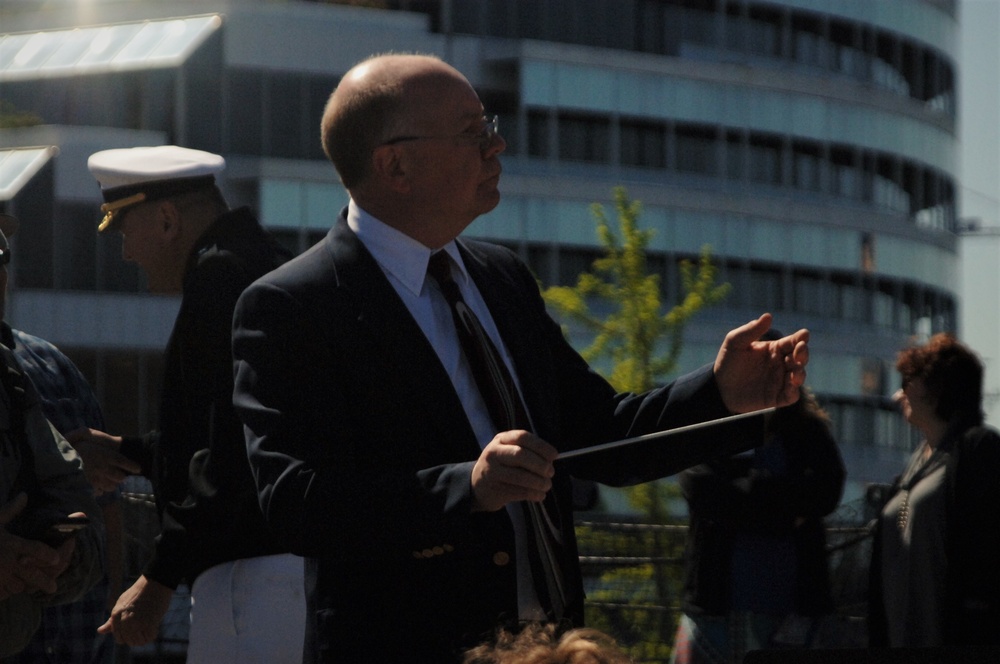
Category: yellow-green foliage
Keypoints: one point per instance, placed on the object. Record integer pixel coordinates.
(631, 334)
(637, 601)
(11, 118)
(632, 337)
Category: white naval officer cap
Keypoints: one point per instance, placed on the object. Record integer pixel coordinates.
(129, 176)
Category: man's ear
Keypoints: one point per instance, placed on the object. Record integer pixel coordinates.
(169, 219)
(389, 166)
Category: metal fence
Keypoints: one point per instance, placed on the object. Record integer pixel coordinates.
(633, 577)
(141, 527)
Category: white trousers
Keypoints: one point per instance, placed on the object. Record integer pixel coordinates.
(250, 611)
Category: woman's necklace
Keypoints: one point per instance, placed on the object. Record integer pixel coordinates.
(903, 513)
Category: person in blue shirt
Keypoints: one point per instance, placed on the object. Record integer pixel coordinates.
(756, 573)
(68, 632)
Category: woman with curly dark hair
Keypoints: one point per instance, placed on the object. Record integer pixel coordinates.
(539, 643)
(935, 575)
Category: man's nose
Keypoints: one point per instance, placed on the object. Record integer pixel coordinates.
(496, 146)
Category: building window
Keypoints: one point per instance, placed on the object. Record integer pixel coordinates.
(318, 90)
(867, 424)
(541, 259)
(74, 247)
(887, 188)
(883, 306)
(244, 94)
(881, 180)
(538, 134)
(651, 27)
(868, 263)
(284, 128)
(692, 22)
(765, 160)
(643, 144)
(807, 170)
(873, 377)
(688, 28)
(696, 150)
(848, 301)
(848, 59)
(763, 32)
(574, 262)
(735, 153)
(809, 48)
(584, 138)
(846, 180)
(809, 294)
(766, 292)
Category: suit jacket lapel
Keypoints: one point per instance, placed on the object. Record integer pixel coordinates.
(407, 353)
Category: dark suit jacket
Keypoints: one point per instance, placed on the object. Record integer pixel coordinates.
(196, 460)
(363, 454)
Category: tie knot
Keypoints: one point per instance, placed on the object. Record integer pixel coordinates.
(439, 268)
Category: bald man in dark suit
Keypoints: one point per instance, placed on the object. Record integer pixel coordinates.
(376, 452)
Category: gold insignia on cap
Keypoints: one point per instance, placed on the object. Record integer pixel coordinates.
(112, 208)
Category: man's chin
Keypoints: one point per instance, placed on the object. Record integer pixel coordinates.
(490, 199)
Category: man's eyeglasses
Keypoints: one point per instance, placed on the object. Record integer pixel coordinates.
(485, 136)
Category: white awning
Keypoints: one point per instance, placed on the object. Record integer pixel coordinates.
(99, 49)
(19, 165)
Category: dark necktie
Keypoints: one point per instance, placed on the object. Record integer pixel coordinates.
(503, 402)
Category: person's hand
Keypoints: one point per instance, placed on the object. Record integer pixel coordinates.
(28, 565)
(104, 466)
(136, 618)
(53, 570)
(516, 465)
(754, 374)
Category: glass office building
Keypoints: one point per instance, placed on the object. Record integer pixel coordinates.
(810, 143)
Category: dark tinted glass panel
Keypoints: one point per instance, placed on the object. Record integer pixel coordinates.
(319, 90)
(642, 144)
(285, 131)
(583, 138)
(696, 151)
(244, 128)
(765, 292)
(75, 241)
(538, 134)
(32, 245)
(765, 161)
(573, 263)
(540, 260)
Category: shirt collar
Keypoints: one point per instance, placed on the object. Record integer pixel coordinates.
(397, 253)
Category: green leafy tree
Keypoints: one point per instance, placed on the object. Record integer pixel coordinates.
(632, 335)
(11, 118)
(641, 345)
